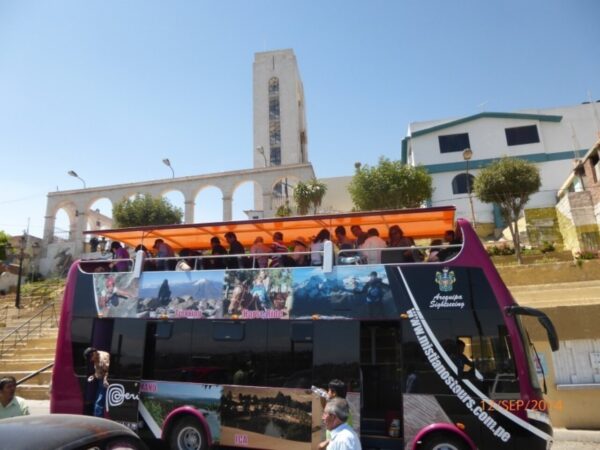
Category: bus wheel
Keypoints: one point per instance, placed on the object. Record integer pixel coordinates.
(443, 442)
(188, 434)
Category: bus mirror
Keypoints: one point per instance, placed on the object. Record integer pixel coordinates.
(327, 256)
(542, 318)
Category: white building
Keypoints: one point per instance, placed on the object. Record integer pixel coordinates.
(552, 138)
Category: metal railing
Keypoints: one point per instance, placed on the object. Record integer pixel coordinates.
(4, 314)
(35, 373)
(35, 324)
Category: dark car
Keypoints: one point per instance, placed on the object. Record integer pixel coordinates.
(66, 432)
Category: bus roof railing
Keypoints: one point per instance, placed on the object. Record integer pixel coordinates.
(389, 255)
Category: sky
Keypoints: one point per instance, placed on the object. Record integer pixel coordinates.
(108, 88)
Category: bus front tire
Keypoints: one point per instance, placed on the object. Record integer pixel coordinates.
(188, 434)
(443, 442)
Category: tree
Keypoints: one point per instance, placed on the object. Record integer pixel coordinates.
(389, 185)
(145, 210)
(4, 245)
(309, 193)
(509, 182)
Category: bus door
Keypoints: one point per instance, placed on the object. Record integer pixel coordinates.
(126, 356)
(381, 370)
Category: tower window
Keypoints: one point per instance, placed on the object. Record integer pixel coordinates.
(275, 156)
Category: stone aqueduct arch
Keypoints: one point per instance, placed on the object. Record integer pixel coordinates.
(77, 203)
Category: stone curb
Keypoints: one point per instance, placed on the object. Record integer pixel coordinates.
(562, 434)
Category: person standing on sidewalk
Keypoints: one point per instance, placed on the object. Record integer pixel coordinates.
(101, 362)
(335, 415)
(10, 404)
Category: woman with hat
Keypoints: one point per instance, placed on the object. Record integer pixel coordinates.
(299, 253)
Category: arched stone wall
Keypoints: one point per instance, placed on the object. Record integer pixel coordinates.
(77, 202)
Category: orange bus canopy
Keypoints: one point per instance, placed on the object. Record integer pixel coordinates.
(416, 223)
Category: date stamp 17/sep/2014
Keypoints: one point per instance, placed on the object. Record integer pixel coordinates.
(519, 405)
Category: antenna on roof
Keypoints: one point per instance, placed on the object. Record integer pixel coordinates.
(482, 105)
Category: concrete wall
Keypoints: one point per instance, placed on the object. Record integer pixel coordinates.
(578, 222)
(572, 402)
(542, 226)
(560, 272)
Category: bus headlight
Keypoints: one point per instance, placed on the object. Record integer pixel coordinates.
(540, 416)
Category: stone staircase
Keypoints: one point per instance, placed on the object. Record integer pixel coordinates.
(30, 341)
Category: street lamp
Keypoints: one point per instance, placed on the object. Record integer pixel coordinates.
(260, 149)
(167, 163)
(467, 154)
(74, 174)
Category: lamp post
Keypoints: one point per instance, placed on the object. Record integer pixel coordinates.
(260, 149)
(167, 163)
(467, 154)
(74, 174)
(35, 252)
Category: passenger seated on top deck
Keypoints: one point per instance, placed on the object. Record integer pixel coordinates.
(347, 255)
(189, 262)
(397, 239)
(260, 248)
(299, 253)
(371, 248)
(236, 248)
(164, 250)
(119, 253)
(279, 247)
(433, 251)
(317, 247)
(360, 235)
(149, 264)
(217, 250)
(450, 252)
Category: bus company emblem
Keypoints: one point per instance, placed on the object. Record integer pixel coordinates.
(445, 279)
(116, 395)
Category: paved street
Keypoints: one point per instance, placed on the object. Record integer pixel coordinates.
(564, 439)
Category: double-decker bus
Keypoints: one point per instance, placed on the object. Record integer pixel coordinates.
(433, 354)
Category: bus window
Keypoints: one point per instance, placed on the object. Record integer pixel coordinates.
(336, 353)
(126, 351)
(380, 362)
(220, 360)
(168, 351)
(81, 332)
(289, 354)
(228, 331)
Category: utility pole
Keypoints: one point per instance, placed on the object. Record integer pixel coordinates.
(21, 257)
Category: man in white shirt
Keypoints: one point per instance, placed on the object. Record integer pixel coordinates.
(343, 436)
(10, 404)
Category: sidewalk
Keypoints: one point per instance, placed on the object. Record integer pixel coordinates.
(37, 407)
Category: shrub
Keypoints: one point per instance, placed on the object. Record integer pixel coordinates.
(500, 250)
(547, 247)
(586, 254)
